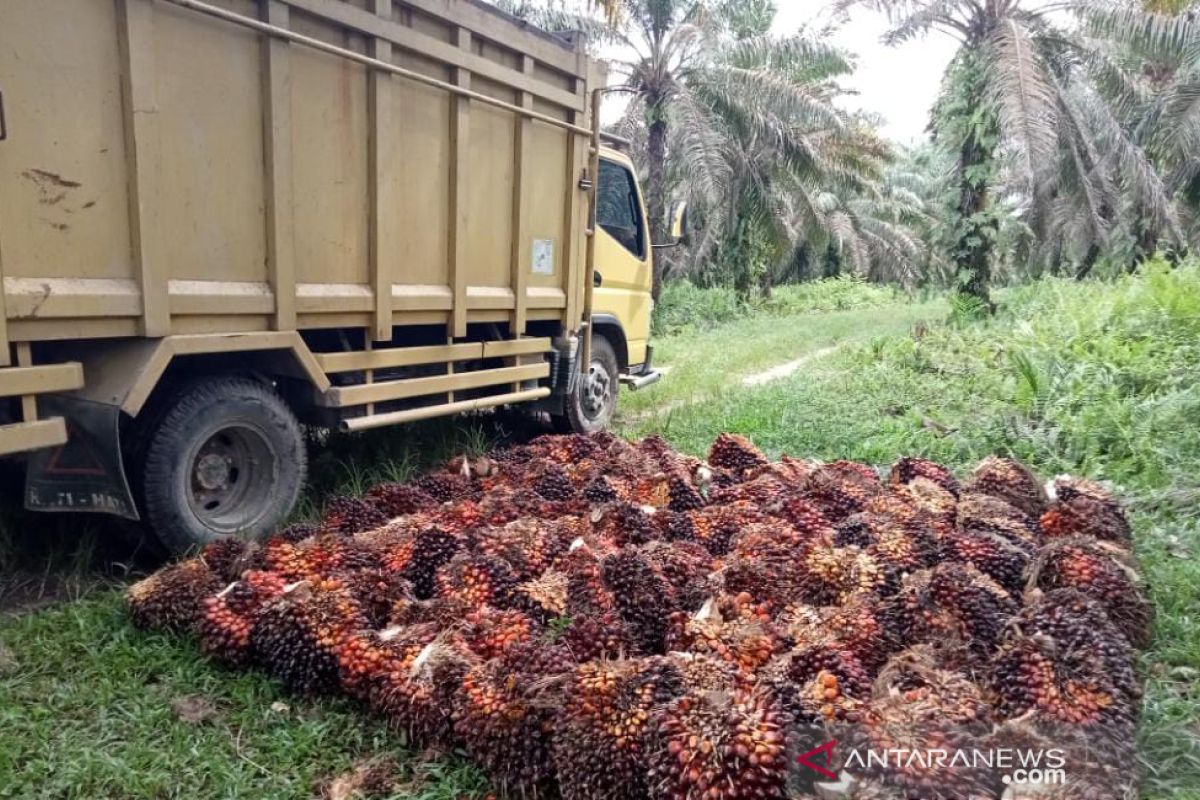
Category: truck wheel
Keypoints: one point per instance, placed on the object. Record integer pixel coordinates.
(591, 406)
(224, 459)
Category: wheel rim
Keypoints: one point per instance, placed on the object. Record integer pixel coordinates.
(597, 391)
(230, 478)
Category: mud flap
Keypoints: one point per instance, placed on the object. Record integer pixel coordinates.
(86, 473)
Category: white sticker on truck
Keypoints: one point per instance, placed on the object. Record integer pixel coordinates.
(543, 256)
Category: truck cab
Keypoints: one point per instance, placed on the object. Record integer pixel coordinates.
(621, 297)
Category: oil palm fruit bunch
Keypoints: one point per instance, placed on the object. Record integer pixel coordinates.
(1084, 508)
(598, 636)
(527, 546)
(908, 469)
(376, 589)
(682, 494)
(490, 633)
(720, 746)
(686, 566)
(503, 723)
(997, 557)
(307, 559)
(417, 690)
(431, 548)
(445, 487)
(229, 616)
(820, 683)
(1079, 624)
(715, 526)
(1010, 481)
(940, 504)
(544, 598)
(859, 626)
(603, 727)
(346, 515)
(914, 678)
(399, 499)
(172, 598)
(808, 520)
(1101, 571)
(230, 557)
(644, 598)
(296, 635)
(746, 643)
(624, 523)
(475, 579)
(736, 454)
(841, 488)
(1033, 674)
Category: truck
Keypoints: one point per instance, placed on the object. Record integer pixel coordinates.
(225, 221)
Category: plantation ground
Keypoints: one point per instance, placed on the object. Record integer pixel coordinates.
(1092, 379)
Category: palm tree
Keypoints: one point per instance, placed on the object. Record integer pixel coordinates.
(1012, 112)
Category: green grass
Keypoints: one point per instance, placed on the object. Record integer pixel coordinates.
(1097, 379)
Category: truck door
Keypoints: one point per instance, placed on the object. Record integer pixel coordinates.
(623, 256)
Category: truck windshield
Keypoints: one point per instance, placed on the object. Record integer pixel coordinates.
(618, 210)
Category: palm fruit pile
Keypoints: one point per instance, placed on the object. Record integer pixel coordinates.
(607, 620)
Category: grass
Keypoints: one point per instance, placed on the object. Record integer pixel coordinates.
(1097, 379)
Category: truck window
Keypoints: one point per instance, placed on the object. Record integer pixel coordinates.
(618, 211)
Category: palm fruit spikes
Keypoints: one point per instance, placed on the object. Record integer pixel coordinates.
(172, 598)
(720, 746)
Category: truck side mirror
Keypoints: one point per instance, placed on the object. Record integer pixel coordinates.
(680, 232)
(678, 228)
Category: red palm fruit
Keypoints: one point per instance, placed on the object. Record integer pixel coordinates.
(686, 566)
(476, 580)
(587, 594)
(298, 531)
(416, 693)
(346, 515)
(460, 516)
(1011, 481)
(602, 636)
(489, 632)
(735, 453)
(1101, 571)
(981, 606)
(791, 472)
(715, 526)
(1067, 487)
(364, 657)
(713, 746)
(503, 724)
(909, 468)
(431, 548)
(981, 513)
(528, 546)
(644, 598)
(230, 557)
(552, 482)
(860, 627)
(377, 590)
(773, 538)
(1001, 559)
(821, 683)
(825, 575)
(1083, 515)
(764, 491)
(295, 636)
(841, 488)
(806, 518)
(1079, 624)
(398, 499)
(229, 616)
(445, 487)
(668, 460)
(444, 613)
(309, 559)
(1035, 675)
(171, 599)
(701, 673)
(603, 727)
(682, 495)
(599, 490)
(624, 523)
(745, 643)
(652, 491)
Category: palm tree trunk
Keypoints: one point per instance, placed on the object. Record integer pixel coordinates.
(973, 262)
(656, 192)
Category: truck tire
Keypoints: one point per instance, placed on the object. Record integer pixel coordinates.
(591, 406)
(225, 458)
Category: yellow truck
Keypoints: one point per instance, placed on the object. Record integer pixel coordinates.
(221, 221)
